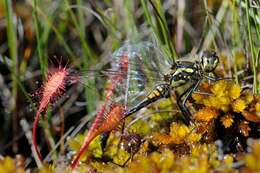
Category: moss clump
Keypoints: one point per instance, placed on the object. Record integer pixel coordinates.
(168, 145)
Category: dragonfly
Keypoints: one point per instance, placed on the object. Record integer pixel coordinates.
(141, 75)
(180, 74)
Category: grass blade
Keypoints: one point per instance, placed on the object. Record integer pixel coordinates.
(252, 49)
(12, 45)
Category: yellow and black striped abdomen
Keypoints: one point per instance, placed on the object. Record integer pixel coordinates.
(157, 92)
(160, 91)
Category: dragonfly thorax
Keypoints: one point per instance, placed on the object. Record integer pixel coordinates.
(209, 61)
(184, 72)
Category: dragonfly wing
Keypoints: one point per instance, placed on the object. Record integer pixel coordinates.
(146, 67)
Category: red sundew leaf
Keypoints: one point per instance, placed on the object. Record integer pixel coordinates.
(106, 121)
(53, 88)
(111, 122)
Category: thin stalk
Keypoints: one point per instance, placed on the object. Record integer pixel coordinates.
(108, 23)
(257, 66)
(162, 29)
(39, 46)
(62, 127)
(210, 37)
(48, 135)
(163, 25)
(88, 57)
(180, 26)
(129, 22)
(235, 36)
(253, 54)
(56, 31)
(12, 45)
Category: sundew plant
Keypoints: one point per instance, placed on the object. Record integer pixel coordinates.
(130, 86)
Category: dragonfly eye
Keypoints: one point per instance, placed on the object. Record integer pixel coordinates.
(209, 61)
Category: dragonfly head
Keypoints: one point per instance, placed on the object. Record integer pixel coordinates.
(209, 61)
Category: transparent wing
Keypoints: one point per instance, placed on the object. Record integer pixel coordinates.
(145, 68)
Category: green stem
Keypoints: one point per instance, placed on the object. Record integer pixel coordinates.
(12, 45)
(87, 55)
(39, 46)
(253, 55)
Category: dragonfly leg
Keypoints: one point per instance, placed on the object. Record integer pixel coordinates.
(218, 78)
(122, 132)
(103, 140)
(130, 158)
(123, 165)
(215, 78)
(182, 103)
(123, 128)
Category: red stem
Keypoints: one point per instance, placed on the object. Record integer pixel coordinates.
(92, 133)
(35, 125)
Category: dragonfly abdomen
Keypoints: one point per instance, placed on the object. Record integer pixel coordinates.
(160, 91)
